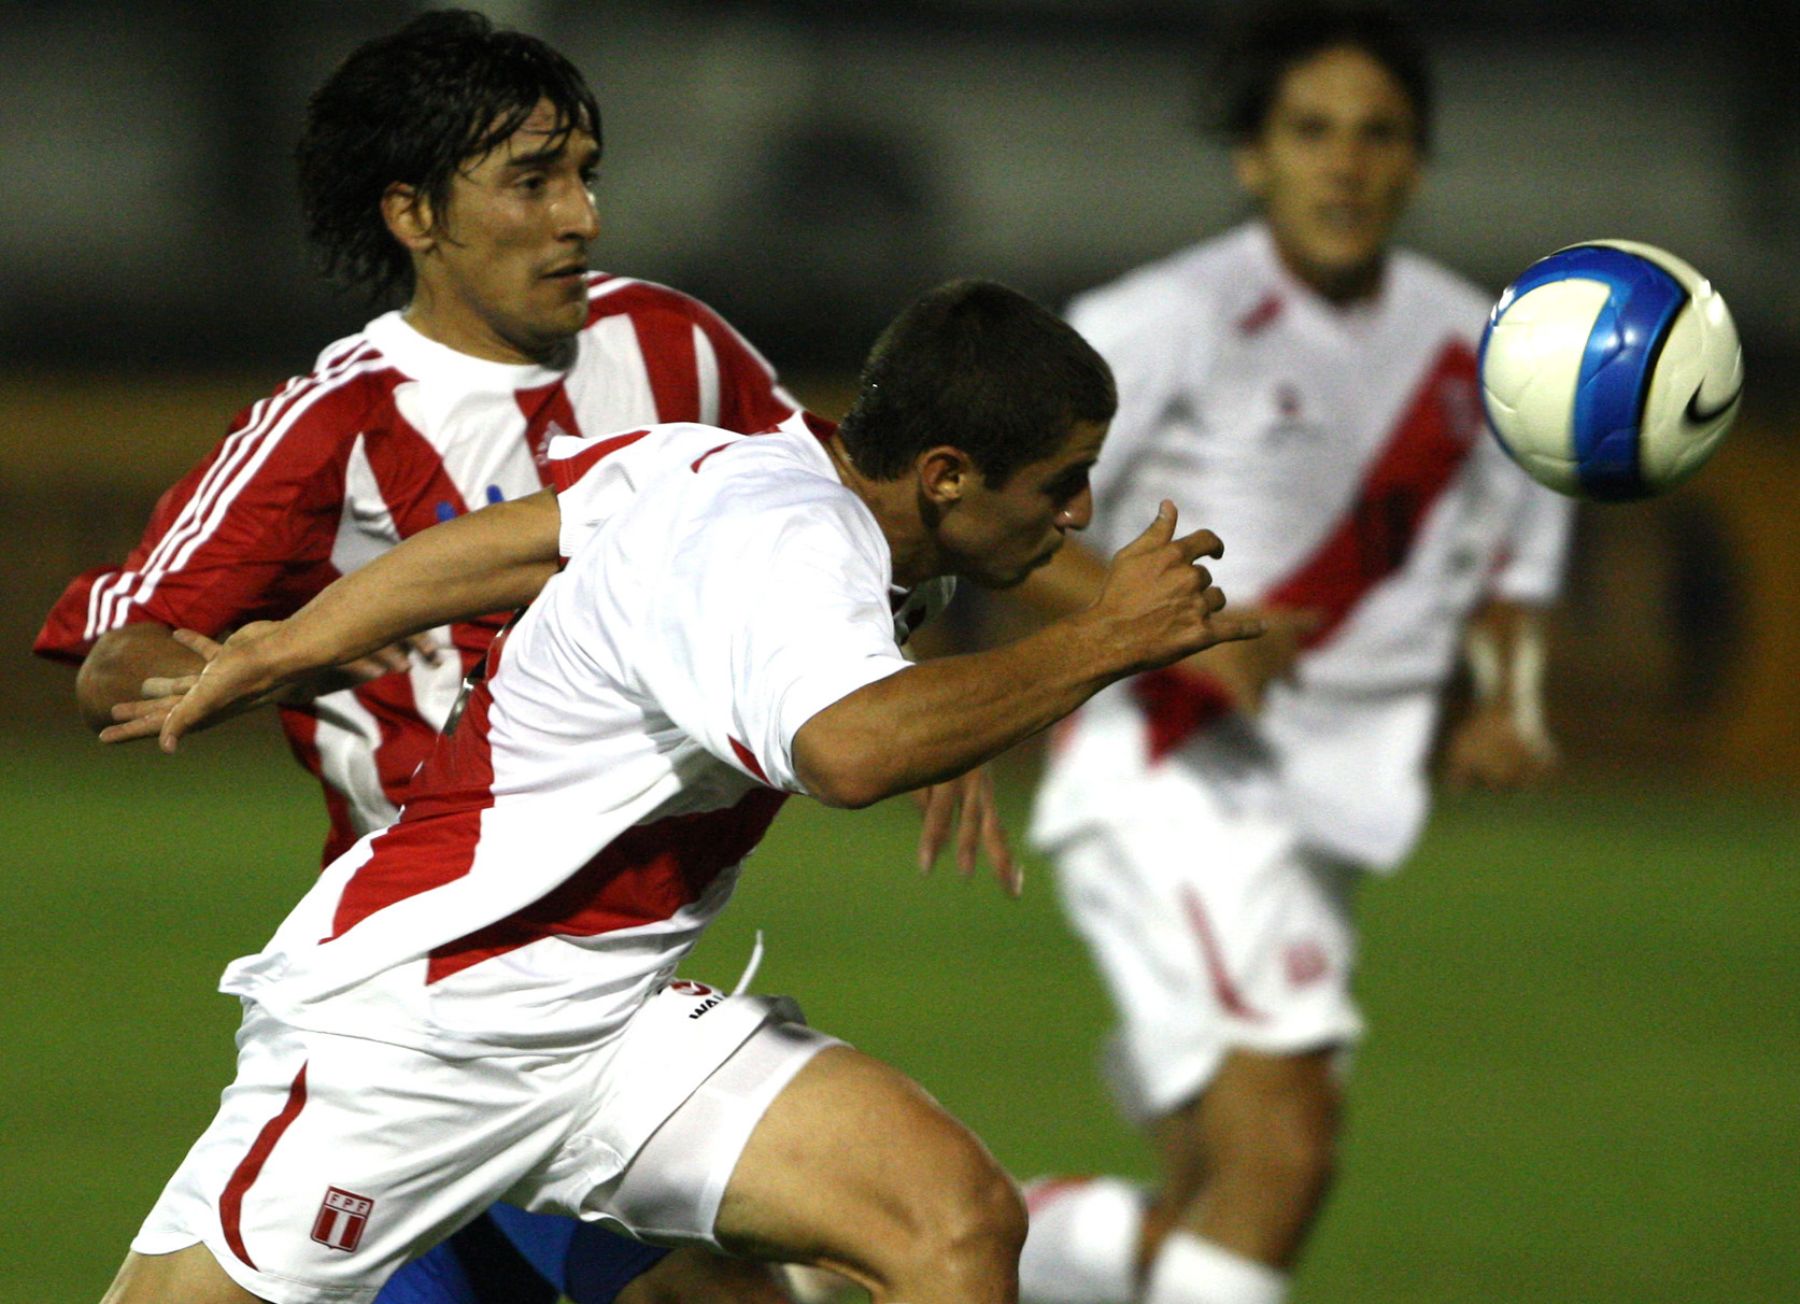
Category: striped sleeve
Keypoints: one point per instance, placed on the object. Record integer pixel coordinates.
(699, 367)
(246, 535)
(749, 395)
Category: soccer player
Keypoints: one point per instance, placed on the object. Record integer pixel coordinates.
(1311, 391)
(451, 164)
(477, 1000)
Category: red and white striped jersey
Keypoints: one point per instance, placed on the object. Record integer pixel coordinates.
(572, 835)
(1340, 454)
(392, 432)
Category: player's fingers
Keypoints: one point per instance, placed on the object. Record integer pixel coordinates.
(1000, 853)
(144, 720)
(167, 685)
(1161, 530)
(977, 798)
(186, 714)
(173, 727)
(1201, 543)
(934, 830)
(1233, 629)
(194, 641)
(158, 707)
(427, 648)
(391, 659)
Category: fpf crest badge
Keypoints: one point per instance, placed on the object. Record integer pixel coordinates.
(342, 1217)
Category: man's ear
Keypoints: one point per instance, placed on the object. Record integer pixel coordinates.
(945, 474)
(409, 217)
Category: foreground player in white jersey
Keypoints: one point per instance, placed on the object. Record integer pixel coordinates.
(1312, 393)
(476, 1001)
(452, 163)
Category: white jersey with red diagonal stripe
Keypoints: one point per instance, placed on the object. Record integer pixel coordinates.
(1340, 454)
(571, 837)
(390, 433)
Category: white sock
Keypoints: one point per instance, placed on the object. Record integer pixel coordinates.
(1082, 1244)
(1188, 1270)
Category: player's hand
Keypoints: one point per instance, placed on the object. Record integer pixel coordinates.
(968, 803)
(1159, 604)
(160, 694)
(167, 697)
(1489, 750)
(1247, 668)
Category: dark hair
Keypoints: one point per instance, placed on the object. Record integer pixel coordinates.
(980, 367)
(412, 107)
(1259, 52)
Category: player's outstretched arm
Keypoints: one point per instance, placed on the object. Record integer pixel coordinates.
(490, 560)
(129, 683)
(943, 717)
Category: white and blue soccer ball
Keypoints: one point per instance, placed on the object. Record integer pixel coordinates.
(1611, 370)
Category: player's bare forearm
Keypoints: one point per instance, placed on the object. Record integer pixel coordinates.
(1504, 743)
(119, 663)
(936, 720)
(492, 560)
(1505, 647)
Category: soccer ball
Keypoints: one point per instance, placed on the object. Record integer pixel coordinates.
(1610, 370)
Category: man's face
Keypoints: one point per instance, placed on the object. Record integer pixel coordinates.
(996, 537)
(500, 276)
(1333, 169)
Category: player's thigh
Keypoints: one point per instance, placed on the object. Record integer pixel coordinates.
(1261, 1111)
(190, 1276)
(697, 1276)
(854, 1167)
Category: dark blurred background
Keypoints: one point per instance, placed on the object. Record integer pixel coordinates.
(808, 167)
(1583, 1081)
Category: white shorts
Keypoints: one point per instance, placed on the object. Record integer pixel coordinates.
(333, 1160)
(1212, 933)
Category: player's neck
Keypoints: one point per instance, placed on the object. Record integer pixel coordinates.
(1341, 287)
(895, 506)
(471, 335)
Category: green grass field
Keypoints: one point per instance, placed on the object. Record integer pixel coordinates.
(1582, 1083)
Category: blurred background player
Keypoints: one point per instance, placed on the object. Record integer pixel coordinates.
(1311, 391)
(452, 165)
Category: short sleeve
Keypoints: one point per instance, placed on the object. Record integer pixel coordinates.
(750, 397)
(596, 479)
(773, 616)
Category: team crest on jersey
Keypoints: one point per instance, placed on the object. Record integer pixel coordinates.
(1288, 415)
(342, 1217)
